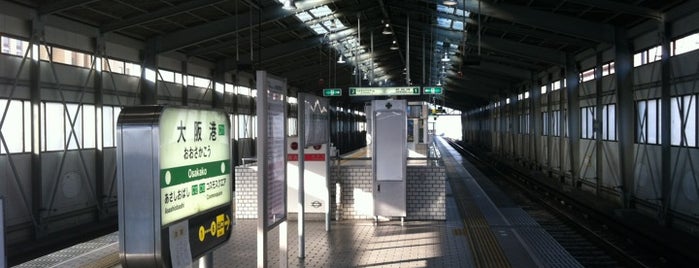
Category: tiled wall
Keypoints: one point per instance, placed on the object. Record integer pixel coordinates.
(426, 192)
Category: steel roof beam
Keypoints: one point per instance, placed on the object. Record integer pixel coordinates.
(58, 6)
(594, 31)
(197, 34)
(621, 7)
(535, 53)
(157, 14)
(285, 49)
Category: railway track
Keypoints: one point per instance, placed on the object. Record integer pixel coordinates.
(588, 239)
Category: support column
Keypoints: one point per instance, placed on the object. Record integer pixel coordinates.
(666, 150)
(185, 84)
(623, 65)
(573, 90)
(534, 113)
(549, 125)
(100, 176)
(599, 120)
(219, 86)
(149, 69)
(562, 123)
(37, 114)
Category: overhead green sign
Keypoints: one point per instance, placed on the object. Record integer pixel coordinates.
(432, 90)
(332, 92)
(383, 91)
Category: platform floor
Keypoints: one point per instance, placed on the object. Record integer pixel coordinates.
(487, 235)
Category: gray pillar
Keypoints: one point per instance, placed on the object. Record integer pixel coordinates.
(37, 114)
(99, 104)
(562, 125)
(185, 85)
(623, 66)
(534, 113)
(219, 85)
(549, 125)
(599, 120)
(573, 92)
(149, 89)
(665, 96)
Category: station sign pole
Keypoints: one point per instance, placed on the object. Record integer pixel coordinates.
(174, 185)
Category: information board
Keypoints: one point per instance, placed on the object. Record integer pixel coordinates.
(194, 163)
(271, 112)
(383, 91)
(317, 116)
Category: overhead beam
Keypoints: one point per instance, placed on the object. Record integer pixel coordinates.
(571, 26)
(516, 29)
(157, 14)
(215, 29)
(535, 53)
(622, 7)
(285, 49)
(58, 6)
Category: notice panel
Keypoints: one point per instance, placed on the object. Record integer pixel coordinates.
(194, 163)
(316, 115)
(271, 112)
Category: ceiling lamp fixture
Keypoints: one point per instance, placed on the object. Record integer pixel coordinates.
(439, 82)
(341, 60)
(449, 2)
(446, 58)
(387, 29)
(289, 5)
(394, 45)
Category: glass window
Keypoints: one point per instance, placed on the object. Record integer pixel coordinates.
(304, 16)
(543, 89)
(13, 127)
(609, 122)
(686, 44)
(53, 127)
(74, 118)
(647, 123)
(108, 126)
(167, 76)
(114, 66)
(588, 75)
(89, 125)
(587, 122)
(683, 121)
(132, 69)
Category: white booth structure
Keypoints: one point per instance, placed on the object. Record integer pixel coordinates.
(389, 157)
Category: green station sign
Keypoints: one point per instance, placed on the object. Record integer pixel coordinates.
(432, 90)
(332, 92)
(383, 91)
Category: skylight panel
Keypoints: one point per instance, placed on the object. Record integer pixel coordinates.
(444, 22)
(458, 25)
(445, 9)
(304, 16)
(338, 25)
(318, 28)
(321, 11)
(460, 12)
(454, 46)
